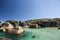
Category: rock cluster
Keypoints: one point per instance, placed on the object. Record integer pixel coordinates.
(11, 26)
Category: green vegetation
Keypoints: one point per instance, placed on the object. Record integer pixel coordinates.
(32, 21)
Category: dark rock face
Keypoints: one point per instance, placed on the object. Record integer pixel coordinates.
(28, 23)
(47, 23)
(23, 24)
(33, 26)
(58, 27)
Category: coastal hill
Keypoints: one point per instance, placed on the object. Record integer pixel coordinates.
(35, 20)
(46, 22)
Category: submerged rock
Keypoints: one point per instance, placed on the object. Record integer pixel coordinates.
(33, 36)
(3, 38)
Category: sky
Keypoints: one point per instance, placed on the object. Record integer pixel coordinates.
(29, 9)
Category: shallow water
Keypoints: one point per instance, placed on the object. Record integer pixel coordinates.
(35, 34)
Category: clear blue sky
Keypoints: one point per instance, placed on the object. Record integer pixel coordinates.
(29, 9)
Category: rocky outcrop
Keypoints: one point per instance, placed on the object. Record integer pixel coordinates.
(15, 31)
(34, 26)
(9, 28)
(7, 25)
(47, 23)
(23, 24)
(2, 30)
(16, 27)
(17, 23)
(13, 22)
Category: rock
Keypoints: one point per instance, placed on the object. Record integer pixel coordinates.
(33, 36)
(59, 27)
(23, 24)
(26, 26)
(28, 23)
(3, 38)
(16, 31)
(2, 30)
(11, 27)
(7, 25)
(13, 22)
(33, 26)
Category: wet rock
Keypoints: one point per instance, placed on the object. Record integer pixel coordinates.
(33, 36)
(16, 31)
(3, 38)
(2, 30)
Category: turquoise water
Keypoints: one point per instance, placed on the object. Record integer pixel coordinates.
(36, 34)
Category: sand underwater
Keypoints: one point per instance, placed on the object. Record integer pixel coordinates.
(50, 33)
